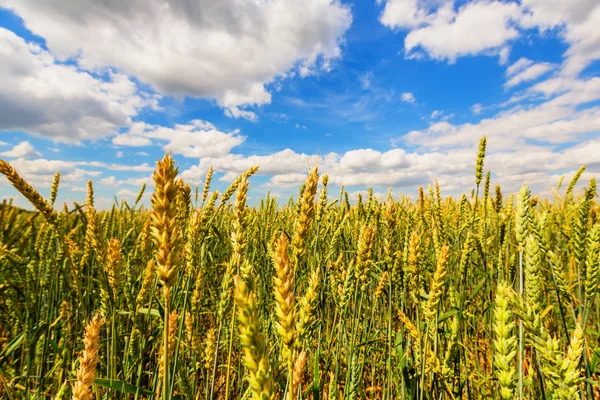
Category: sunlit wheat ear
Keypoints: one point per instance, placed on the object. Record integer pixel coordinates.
(382, 284)
(523, 216)
(147, 281)
(234, 185)
(209, 349)
(82, 390)
(207, 181)
(255, 355)
(592, 263)
(480, 159)
(413, 276)
(569, 367)
(113, 265)
(91, 242)
(322, 199)
(164, 228)
(239, 240)
(29, 192)
(54, 188)
(505, 344)
(298, 375)
(559, 274)
(284, 298)
(581, 224)
(307, 306)
(573, 182)
(413, 332)
(305, 216)
(364, 256)
(436, 288)
(533, 279)
(166, 234)
(140, 194)
(190, 249)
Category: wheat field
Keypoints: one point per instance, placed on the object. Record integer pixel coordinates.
(200, 296)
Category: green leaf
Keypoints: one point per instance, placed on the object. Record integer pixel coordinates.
(447, 315)
(13, 345)
(152, 311)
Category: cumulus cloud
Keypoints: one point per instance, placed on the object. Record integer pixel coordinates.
(361, 167)
(23, 149)
(558, 120)
(226, 50)
(126, 193)
(537, 165)
(447, 30)
(196, 139)
(578, 20)
(110, 181)
(41, 171)
(446, 33)
(60, 101)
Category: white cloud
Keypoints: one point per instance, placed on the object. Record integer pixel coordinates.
(226, 50)
(518, 66)
(236, 112)
(405, 14)
(558, 120)
(526, 70)
(110, 181)
(131, 140)
(442, 31)
(292, 179)
(23, 149)
(503, 55)
(126, 193)
(142, 153)
(61, 101)
(54, 149)
(477, 108)
(579, 21)
(3, 143)
(113, 182)
(41, 171)
(195, 139)
(120, 154)
(408, 97)
(447, 34)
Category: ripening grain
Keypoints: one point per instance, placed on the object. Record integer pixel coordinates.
(204, 296)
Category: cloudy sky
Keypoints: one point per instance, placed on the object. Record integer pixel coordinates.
(378, 93)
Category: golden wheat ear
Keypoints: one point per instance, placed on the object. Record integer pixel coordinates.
(82, 390)
(29, 192)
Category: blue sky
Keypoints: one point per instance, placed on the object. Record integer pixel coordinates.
(382, 93)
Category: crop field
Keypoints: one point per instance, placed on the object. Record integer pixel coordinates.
(200, 296)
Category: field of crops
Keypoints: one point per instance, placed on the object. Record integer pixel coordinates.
(200, 296)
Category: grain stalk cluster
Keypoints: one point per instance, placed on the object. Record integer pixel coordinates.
(203, 296)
